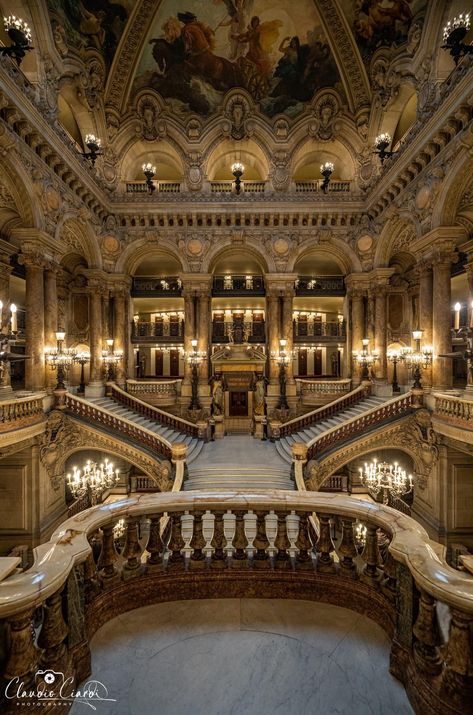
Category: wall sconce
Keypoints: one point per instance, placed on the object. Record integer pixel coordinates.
(20, 34)
(93, 144)
(149, 171)
(382, 142)
(454, 33)
(238, 170)
(326, 170)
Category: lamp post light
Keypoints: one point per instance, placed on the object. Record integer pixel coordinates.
(382, 142)
(238, 170)
(387, 480)
(20, 34)
(93, 479)
(194, 358)
(454, 33)
(60, 359)
(149, 171)
(394, 356)
(326, 170)
(111, 358)
(283, 359)
(365, 358)
(93, 144)
(82, 359)
(418, 359)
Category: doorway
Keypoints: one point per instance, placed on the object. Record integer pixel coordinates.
(238, 404)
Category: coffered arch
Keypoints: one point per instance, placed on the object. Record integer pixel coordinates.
(335, 251)
(143, 249)
(252, 247)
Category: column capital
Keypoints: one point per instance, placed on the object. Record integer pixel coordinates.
(193, 284)
(280, 284)
(443, 236)
(32, 239)
(119, 284)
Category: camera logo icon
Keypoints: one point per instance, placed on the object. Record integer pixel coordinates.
(50, 677)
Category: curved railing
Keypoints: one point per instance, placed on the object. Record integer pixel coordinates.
(322, 413)
(457, 410)
(21, 412)
(253, 543)
(98, 416)
(395, 408)
(153, 413)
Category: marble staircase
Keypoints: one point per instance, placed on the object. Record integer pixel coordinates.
(238, 478)
(194, 445)
(306, 435)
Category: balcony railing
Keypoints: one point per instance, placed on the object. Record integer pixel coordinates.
(160, 393)
(228, 187)
(320, 285)
(238, 285)
(335, 187)
(162, 187)
(151, 287)
(263, 545)
(456, 410)
(322, 413)
(21, 412)
(157, 332)
(313, 392)
(238, 333)
(308, 332)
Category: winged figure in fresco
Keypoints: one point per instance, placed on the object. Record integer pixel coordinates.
(239, 12)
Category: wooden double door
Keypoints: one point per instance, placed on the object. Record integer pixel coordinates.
(238, 406)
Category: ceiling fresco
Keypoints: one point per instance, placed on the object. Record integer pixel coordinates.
(198, 50)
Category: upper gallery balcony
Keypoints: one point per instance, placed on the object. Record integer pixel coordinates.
(320, 285)
(151, 287)
(238, 285)
(318, 331)
(162, 328)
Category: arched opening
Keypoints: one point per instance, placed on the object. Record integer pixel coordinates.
(161, 154)
(248, 152)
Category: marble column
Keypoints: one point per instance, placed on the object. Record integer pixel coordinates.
(370, 321)
(34, 343)
(96, 339)
(347, 348)
(272, 334)
(425, 313)
(380, 333)
(119, 333)
(441, 320)
(357, 327)
(5, 271)
(288, 329)
(469, 275)
(203, 333)
(189, 330)
(51, 325)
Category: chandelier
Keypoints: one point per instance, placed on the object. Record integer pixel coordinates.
(238, 170)
(110, 359)
(149, 171)
(387, 480)
(92, 479)
(94, 146)
(20, 35)
(418, 359)
(454, 33)
(382, 142)
(365, 357)
(326, 169)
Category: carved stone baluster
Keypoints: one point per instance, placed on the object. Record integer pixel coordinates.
(53, 635)
(371, 573)
(240, 542)
(261, 542)
(208, 521)
(250, 519)
(197, 542)
(218, 542)
(281, 542)
(132, 548)
(23, 656)
(176, 543)
(155, 546)
(457, 676)
(303, 543)
(108, 555)
(325, 547)
(426, 631)
(229, 530)
(347, 548)
(390, 575)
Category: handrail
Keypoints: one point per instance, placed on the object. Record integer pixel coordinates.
(19, 412)
(322, 413)
(69, 545)
(454, 409)
(154, 413)
(127, 428)
(396, 407)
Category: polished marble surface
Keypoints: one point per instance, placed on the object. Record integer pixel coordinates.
(245, 657)
(242, 450)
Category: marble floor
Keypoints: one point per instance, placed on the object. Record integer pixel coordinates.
(239, 449)
(244, 657)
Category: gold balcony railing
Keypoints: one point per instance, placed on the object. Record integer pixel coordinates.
(275, 544)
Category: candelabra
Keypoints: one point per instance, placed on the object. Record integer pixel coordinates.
(326, 170)
(111, 358)
(454, 33)
(382, 142)
(418, 359)
(60, 359)
(365, 358)
(394, 356)
(82, 359)
(20, 34)
(385, 479)
(92, 479)
(149, 171)
(93, 144)
(283, 359)
(8, 333)
(238, 171)
(360, 531)
(466, 335)
(194, 358)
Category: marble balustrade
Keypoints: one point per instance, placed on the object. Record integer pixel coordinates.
(458, 410)
(21, 412)
(204, 544)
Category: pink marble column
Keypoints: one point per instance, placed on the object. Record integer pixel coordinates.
(203, 332)
(50, 315)
(119, 336)
(272, 334)
(380, 333)
(357, 327)
(441, 320)
(96, 337)
(34, 367)
(189, 330)
(426, 313)
(288, 329)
